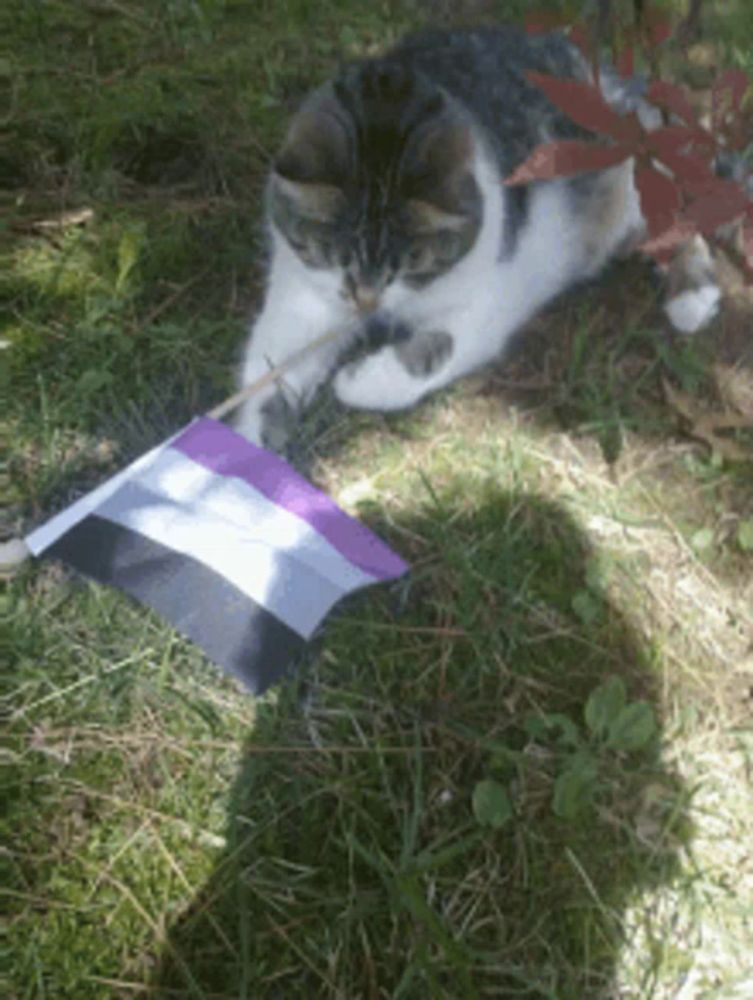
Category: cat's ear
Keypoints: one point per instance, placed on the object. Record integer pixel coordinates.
(316, 149)
(427, 218)
(438, 171)
(311, 168)
(443, 148)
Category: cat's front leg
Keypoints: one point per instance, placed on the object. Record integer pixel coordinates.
(396, 377)
(288, 322)
(693, 293)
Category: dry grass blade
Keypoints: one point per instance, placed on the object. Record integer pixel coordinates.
(323, 842)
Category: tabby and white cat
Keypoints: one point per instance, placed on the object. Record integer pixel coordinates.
(389, 220)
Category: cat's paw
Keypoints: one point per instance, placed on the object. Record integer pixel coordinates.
(249, 422)
(691, 310)
(693, 293)
(377, 382)
(425, 353)
(394, 378)
(381, 330)
(267, 424)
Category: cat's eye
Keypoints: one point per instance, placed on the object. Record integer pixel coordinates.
(449, 244)
(418, 257)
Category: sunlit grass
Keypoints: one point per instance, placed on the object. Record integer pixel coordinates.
(165, 835)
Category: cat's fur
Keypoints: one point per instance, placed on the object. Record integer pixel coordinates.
(388, 216)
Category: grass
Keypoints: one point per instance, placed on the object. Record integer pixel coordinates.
(164, 835)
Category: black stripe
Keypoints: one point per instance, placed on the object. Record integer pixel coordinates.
(235, 632)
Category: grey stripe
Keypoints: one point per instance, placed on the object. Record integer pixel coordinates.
(270, 575)
(238, 635)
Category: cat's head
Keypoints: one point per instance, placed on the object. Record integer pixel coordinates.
(375, 182)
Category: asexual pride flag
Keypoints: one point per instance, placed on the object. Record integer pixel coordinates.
(227, 542)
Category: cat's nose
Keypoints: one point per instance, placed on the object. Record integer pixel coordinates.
(366, 298)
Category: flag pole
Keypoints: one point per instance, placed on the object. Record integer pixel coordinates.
(273, 375)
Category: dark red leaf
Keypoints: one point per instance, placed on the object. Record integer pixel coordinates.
(541, 21)
(660, 199)
(737, 131)
(664, 246)
(718, 187)
(584, 104)
(674, 98)
(688, 167)
(717, 209)
(658, 28)
(566, 158)
(582, 38)
(727, 95)
(679, 138)
(748, 241)
(625, 62)
(748, 251)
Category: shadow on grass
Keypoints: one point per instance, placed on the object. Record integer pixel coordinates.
(354, 865)
(598, 361)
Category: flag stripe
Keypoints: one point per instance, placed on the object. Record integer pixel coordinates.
(250, 513)
(273, 579)
(239, 635)
(222, 450)
(47, 533)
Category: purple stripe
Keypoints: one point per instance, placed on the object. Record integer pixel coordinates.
(222, 450)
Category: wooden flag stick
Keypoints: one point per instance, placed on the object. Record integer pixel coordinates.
(273, 375)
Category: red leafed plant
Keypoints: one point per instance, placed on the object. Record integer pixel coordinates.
(680, 192)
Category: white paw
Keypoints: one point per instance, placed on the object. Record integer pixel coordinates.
(378, 382)
(346, 382)
(249, 421)
(689, 311)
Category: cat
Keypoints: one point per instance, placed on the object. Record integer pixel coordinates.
(389, 221)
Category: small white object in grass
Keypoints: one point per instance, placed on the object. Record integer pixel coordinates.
(352, 494)
(691, 310)
(12, 554)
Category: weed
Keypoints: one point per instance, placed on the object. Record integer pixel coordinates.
(394, 821)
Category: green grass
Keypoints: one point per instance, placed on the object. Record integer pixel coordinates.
(165, 835)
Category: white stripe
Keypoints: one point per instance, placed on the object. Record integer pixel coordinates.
(51, 530)
(251, 514)
(292, 591)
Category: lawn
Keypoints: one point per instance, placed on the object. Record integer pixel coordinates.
(436, 804)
